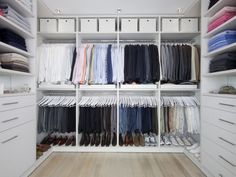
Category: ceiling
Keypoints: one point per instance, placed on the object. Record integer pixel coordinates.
(109, 7)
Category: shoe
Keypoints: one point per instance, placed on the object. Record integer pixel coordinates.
(162, 143)
(69, 141)
(87, 139)
(131, 140)
(192, 147)
(126, 139)
(57, 140)
(73, 141)
(45, 140)
(173, 140)
(93, 139)
(43, 147)
(166, 140)
(186, 142)
(81, 143)
(114, 139)
(121, 142)
(180, 142)
(103, 143)
(196, 150)
(147, 140)
(136, 139)
(190, 139)
(152, 139)
(63, 141)
(51, 139)
(197, 155)
(108, 139)
(97, 141)
(141, 140)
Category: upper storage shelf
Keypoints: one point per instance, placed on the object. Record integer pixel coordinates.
(179, 35)
(219, 5)
(19, 7)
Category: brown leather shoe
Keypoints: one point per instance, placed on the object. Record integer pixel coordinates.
(43, 147)
(141, 140)
(69, 141)
(51, 140)
(121, 141)
(57, 140)
(136, 139)
(63, 141)
(126, 139)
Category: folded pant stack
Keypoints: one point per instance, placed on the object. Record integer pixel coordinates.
(223, 62)
(14, 16)
(221, 17)
(221, 40)
(13, 39)
(14, 61)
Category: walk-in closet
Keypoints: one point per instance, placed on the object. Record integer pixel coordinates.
(117, 88)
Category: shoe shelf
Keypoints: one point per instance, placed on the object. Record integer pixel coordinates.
(231, 72)
(97, 87)
(134, 87)
(179, 35)
(219, 5)
(228, 48)
(19, 7)
(5, 48)
(231, 24)
(8, 72)
(5, 23)
(196, 161)
(58, 35)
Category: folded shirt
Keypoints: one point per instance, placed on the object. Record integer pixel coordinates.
(15, 66)
(228, 9)
(9, 57)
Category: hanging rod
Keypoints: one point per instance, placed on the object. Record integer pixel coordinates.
(115, 41)
(178, 41)
(58, 41)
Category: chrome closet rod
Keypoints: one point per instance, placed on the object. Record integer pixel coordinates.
(115, 41)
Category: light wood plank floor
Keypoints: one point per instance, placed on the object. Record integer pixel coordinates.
(117, 165)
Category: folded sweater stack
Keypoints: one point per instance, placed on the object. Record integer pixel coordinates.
(14, 61)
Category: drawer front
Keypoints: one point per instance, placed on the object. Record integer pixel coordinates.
(222, 119)
(213, 167)
(9, 119)
(221, 137)
(170, 24)
(107, 25)
(48, 25)
(225, 158)
(11, 103)
(147, 25)
(17, 150)
(88, 25)
(66, 25)
(129, 25)
(226, 104)
(189, 25)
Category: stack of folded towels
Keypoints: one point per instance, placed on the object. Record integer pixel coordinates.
(14, 61)
(13, 39)
(221, 40)
(221, 17)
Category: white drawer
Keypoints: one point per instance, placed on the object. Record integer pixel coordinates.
(226, 104)
(66, 25)
(222, 119)
(129, 25)
(10, 119)
(213, 167)
(10, 103)
(48, 25)
(170, 25)
(107, 25)
(189, 25)
(17, 150)
(221, 137)
(147, 25)
(88, 25)
(225, 158)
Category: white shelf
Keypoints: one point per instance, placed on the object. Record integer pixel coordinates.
(231, 72)
(228, 48)
(220, 95)
(138, 36)
(219, 5)
(231, 24)
(5, 23)
(179, 35)
(138, 87)
(8, 72)
(16, 94)
(5, 48)
(19, 7)
(56, 89)
(97, 87)
(97, 36)
(57, 35)
(179, 89)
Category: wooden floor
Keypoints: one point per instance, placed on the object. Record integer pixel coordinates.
(117, 165)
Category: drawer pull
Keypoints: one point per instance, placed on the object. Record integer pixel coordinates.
(10, 139)
(9, 120)
(224, 104)
(6, 104)
(227, 161)
(227, 121)
(220, 175)
(226, 141)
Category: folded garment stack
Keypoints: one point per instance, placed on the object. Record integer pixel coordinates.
(14, 16)
(14, 61)
(221, 17)
(212, 3)
(221, 40)
(27, 3)
(13, 39)
(223, 62)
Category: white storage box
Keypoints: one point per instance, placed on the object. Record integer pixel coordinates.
(107, 25)
(189, 25)
(88, 25)
(170, 25)
(129, 25)
(48, 25)
(147, 25)
(66, 25)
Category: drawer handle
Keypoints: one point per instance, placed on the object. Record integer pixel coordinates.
(6, 104)
(220, 175)
(227, 121)
(10, 139)
(227, 161)
(9, 120)
(224, 104)
(226, 141)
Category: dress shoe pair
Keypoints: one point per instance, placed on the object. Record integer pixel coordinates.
(85, 139)
(129, 139)
(114, 139)
(139, 139)
(106, 139)
(71, 141)
(95, 139)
